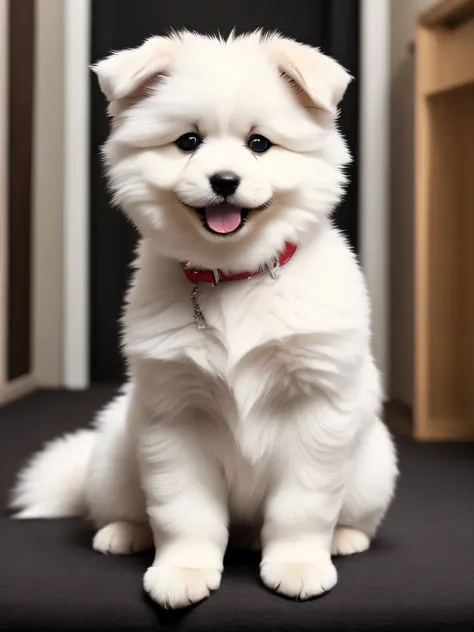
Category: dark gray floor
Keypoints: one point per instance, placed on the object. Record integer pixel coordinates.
(419, 575)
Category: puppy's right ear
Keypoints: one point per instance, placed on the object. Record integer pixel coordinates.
(128, 73)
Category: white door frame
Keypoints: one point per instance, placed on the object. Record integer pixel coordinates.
(374, 167)
(373, 201)
(77, 29)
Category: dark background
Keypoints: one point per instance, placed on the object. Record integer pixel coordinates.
(21, 63)
(116, 24)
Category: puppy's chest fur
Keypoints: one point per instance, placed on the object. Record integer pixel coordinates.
(272, 350)
(248, 338)
(268, 341)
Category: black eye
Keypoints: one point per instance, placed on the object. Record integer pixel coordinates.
(189, 141)
(259, 144)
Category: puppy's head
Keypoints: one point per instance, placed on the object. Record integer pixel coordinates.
(220, 151)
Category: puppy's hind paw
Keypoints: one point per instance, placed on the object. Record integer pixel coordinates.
(347, 541)
(123, 538)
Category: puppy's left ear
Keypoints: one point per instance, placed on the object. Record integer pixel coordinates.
(320, 78)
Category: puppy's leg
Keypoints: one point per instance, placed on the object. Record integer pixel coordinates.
(114, 499)
(187, 507)
(369, 490)
(303, 506)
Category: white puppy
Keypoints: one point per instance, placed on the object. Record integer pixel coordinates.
(255, 401)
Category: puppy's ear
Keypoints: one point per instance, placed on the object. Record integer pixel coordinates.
(128, 73)
(320, 78)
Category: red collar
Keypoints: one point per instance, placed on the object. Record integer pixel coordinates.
(217, 276)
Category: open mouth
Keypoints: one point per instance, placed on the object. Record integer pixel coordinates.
(224, 219)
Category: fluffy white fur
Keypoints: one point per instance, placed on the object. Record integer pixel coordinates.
(271, 416)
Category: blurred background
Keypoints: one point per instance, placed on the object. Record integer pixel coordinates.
(65, 252)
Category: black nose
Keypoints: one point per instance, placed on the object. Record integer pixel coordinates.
(224, 182)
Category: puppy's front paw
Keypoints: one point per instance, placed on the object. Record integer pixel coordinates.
(123, 538)
(299, 580)
(178, 587)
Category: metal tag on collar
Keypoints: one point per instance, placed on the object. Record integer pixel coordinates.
(216, 276)
(273, 267)
(198, 314)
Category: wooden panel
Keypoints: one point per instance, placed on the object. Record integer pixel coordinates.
(20, 71)
(451, 58)
(444, 223)
(423, 149)
(445, 266)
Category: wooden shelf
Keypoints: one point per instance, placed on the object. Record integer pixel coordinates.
(444, 223)
(448, 13)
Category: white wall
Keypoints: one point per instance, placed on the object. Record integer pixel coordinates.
(48, 193)
(404, 14)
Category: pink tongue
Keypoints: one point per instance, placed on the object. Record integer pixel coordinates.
(223, 218)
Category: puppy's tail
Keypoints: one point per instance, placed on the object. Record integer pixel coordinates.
(52, 483)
